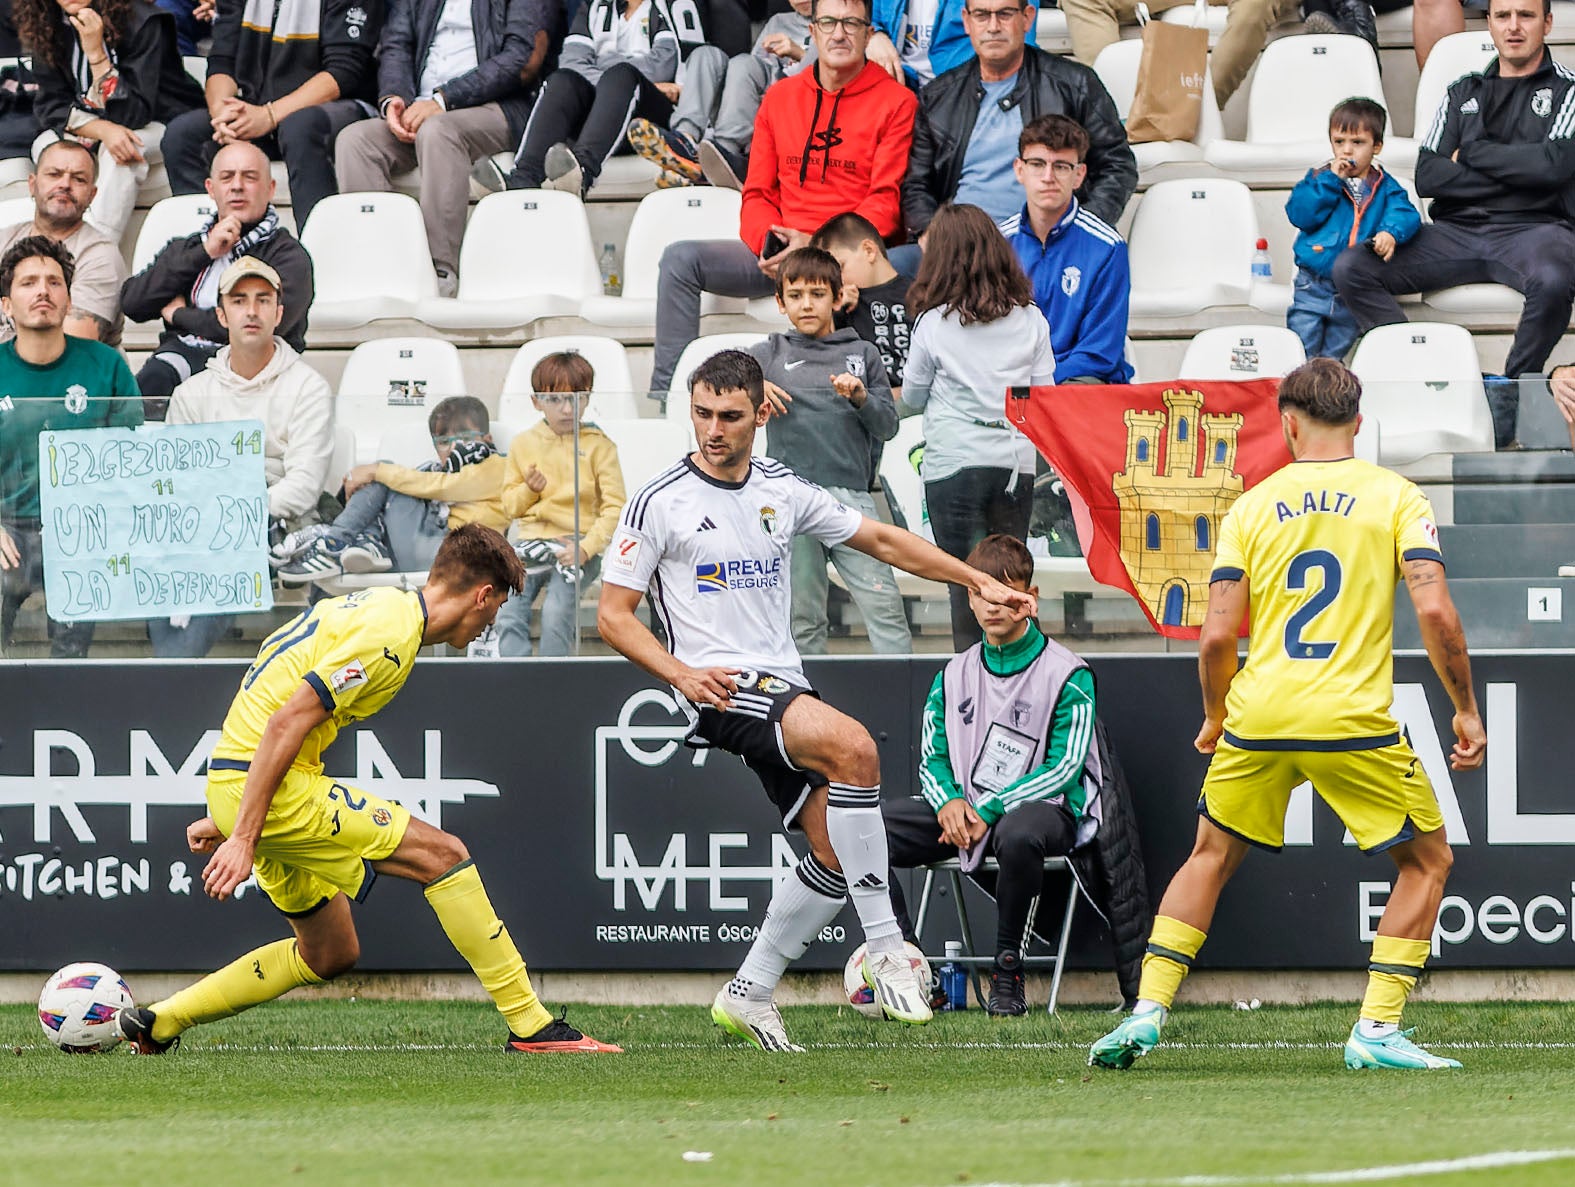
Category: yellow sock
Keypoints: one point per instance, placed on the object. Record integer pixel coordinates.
(1171, 946)
(260, 976)
(1392, 975)
(462, 907)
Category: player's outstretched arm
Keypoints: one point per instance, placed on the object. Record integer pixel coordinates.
(231, 863)
(1445, 640)
(1217, 665)
(622, 630)
(913, 554)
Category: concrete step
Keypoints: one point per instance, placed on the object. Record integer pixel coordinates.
(1534, 550)
(1496, 612)
(1514, 502)
(1515, 466)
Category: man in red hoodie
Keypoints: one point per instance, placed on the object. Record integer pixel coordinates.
(827, 140)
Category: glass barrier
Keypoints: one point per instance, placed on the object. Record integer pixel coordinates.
(127, 540)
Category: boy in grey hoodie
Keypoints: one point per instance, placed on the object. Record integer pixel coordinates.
(830, 405)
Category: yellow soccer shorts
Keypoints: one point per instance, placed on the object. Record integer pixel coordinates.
(320, 837)
(1382, 795)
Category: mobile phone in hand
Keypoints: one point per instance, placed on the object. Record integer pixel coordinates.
(774, 245)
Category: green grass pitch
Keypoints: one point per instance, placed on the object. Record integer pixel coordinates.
(345, 1093)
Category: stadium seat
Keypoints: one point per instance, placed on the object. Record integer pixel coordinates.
(1191, 249)
(1453, 56)
(170, 218)
(405, 444)
(664, 217)
(1422, 386)
(370, 259)
(196, 66)
(612, 389)
(527, 254)
(16, 210)
(645, 448)
(1242, 352)
(392, 381)
(1117, 67)
(343, 458)
(1298, 82)
(694, 354)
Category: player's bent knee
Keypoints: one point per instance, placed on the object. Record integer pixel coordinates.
(448, 851)
(332, 960)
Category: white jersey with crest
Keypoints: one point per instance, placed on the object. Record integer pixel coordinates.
(715, 557)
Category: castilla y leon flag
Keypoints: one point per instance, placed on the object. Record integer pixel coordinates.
(1158, 465)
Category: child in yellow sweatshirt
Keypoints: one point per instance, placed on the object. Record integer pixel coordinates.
(539, 493)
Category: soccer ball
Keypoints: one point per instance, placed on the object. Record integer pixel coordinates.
(860, 996)
(78, 1006)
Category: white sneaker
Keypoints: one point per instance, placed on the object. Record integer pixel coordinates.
(755, 1022)
(895, 980)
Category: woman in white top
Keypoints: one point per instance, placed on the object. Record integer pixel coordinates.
(978, 333)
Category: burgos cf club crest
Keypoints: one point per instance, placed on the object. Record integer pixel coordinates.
(768, 520)
(76, 399)
(1542, 101)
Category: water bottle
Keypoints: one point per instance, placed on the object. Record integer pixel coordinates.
(954, 978)
(1262, 266)
(612, 283)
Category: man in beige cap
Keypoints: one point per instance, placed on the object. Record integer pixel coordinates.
(258, 376)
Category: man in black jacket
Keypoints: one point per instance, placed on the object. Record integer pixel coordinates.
(965, 137)
(456, 80)
(1498, 162)
(181, 285)
(289, 76)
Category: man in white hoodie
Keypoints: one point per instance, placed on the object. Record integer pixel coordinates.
(258, 376)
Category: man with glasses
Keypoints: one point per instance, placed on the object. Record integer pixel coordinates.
(970, 118)
(916, 40)
(830, 139)
(1076, 261)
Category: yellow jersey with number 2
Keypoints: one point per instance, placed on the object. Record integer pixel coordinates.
(355, 651)
(1320, 545)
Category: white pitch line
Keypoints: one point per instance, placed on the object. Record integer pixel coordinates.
(1370, 1174)
(938, 1045)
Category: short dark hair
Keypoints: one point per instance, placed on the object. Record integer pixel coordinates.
(70, 146)
(39, 247)
(847, 230)
(968, 268)
(1055, 132)
(731, 371)
(1006, 558)
(868, 10)
(453, 411)
(1324, 390)
(810, 265)
(1357, 114)
(562, 371)
(475, 554)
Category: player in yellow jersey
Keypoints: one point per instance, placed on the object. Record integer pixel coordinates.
(316, 844)
(1312, 554)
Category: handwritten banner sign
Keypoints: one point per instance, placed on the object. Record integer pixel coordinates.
(154, 522)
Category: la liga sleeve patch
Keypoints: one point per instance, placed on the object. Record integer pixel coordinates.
(624, 551)
(352, 674)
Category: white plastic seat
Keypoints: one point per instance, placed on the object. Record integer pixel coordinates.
(1453, 56)
(665, 217)
(1242, 352)
(170, 218)
(1214, 18)
(612, 389)
(406, 444)
(694, 354)
(645, 448)
(527, 254)
(197, 66)
(1117, 67)
(1191, 247)
(16, 210)
(393, 381)
(342, 459)
(1298, 82)
(1422, 385)
(1050, 31)
(370, 259)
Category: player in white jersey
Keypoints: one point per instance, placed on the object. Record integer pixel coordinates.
(710, 539)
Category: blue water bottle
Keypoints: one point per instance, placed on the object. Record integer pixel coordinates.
(954, 978)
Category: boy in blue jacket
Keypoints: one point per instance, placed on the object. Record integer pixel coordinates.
(1347, 203)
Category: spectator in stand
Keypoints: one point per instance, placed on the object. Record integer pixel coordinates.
(193, 23)
(1498, 162)
(978, 333)
(1346, 204)
(61, 186)
(181, 285)
(289, 85)
(539, 492)
(109, 73)
(615, 63)
(1434, 20)
(257, 376)
(829, 139)
(916, 41)
(53, 382)
(970, 118)
(831, 408)
(456, 79)
(1076, 262)
(708, 137)
(874, 300)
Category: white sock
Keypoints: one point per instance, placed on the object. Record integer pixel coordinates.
(804, 902)
(1145, 1006)
(1369, 1029)
(858, 837)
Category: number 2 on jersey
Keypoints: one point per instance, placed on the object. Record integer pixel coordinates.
(1328, 566)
